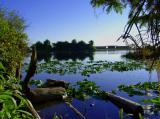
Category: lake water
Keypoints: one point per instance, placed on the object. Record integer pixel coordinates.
(93, 108)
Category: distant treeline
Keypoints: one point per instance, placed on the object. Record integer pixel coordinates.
(72, 47)
(43, 47)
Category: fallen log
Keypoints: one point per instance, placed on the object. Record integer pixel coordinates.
(56, 83)
(42, 95)
(127, 105)
(75, 110)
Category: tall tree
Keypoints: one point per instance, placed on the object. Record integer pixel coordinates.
(13, 40)
(143, 14)
(47, 45)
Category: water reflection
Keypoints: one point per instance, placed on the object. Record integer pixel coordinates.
(44, 56)
(65, 56)
(74, 56)
(84, 56)
(107, 80)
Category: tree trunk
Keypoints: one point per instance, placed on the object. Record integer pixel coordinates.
(31, 72)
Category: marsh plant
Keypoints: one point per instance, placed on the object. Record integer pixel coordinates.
(13, 103)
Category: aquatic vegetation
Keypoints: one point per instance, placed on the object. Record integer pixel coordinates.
(83, 89)
(130, 90)
(121, 114)
(155, 101)
(140, 88)
(88, 68)
(59, 67)
(37, 83)
(88, 86)
(13, 105)
(86, 89)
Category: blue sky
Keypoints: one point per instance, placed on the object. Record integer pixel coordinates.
(61, 20)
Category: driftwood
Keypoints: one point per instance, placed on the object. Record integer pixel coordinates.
(75, 110)
(127, 105)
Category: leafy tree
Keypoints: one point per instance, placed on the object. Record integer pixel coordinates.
(47, 45)
(39, 46)
(91, 43)
(13, 40)
(143, 14)
(74, 46)
(74, 42)
(44, 47)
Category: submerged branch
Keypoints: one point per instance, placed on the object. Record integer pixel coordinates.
(32, 110)
(75, 110)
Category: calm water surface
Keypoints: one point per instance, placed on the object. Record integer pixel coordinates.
(107, 81)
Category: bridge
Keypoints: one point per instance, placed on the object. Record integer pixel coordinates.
(113, 47)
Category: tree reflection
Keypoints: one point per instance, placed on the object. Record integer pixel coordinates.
(74, 56)
(44, 56)
(65, 56)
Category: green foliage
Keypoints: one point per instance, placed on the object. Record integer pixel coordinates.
(74, 46)
(13, 40)
(130, 90)
(59, 67)
(44, 47)
(13, 104)
(155, 100)
(108, 5)
(84, 89)
(144, 14)
(65, 46)
(139, 88)
(64, 50)
(37, 83)
(87, 86)
(64, 67)
(11, 108)
(121, 114)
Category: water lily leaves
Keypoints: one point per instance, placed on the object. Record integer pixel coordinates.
(88, 68)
